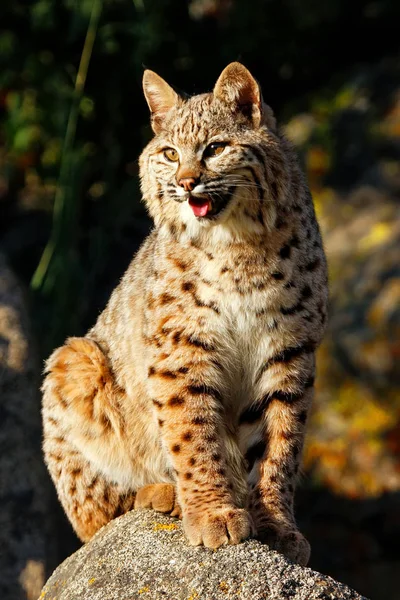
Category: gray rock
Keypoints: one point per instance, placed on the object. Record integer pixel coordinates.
(25, 523)
(144, 555)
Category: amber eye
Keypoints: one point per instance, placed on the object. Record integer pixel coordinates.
(215, 149)
(171, 154)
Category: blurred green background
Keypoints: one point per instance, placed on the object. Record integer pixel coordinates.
(73, 121)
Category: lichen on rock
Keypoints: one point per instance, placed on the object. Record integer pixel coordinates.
(132, 558)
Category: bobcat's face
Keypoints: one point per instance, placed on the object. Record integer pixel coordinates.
(205, 165)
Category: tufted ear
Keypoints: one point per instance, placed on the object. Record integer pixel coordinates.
(159, 96)
(237, 87)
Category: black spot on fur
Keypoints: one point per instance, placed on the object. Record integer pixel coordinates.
(306, 292)
(200, 343)
(199, 421)
(313, 265)
(287, 397)
(168, 374)
(303, 417)
(309, 382)
(204, 389)
(285, 251)
(291, 310)
(254, 412)
(278, 275)
(177, 337)
(176, 401)
(274, 189)
(257, 183)
(280, 223)
(166, 298)
(254, 453)
(187, 286)
(288, 355)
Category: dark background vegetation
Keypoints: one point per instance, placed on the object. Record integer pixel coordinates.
(72, 124)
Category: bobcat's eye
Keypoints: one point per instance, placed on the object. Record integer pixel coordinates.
(215, 149)
(171, 154)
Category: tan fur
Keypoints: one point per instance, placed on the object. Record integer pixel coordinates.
(159, 496)
(199, 373)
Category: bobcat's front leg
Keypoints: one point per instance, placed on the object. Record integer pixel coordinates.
(187, 402)
(271, 502)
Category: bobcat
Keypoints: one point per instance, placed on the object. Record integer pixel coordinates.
(190, 394)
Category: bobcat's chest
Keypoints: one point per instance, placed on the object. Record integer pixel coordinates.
(244, 341)
(243, 323)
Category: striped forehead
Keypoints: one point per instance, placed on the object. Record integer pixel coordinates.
(196, 121)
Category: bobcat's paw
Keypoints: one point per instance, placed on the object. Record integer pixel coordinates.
(286, 540)
(213, 528)
(160, 497)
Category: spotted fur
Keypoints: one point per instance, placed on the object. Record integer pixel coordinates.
(196, 381)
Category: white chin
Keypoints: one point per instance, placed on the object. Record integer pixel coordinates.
(190, 219)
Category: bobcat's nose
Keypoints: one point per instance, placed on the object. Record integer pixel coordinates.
(188, 183)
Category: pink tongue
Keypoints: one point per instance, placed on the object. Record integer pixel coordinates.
(199, 209)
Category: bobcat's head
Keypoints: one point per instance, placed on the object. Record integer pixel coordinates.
(216, 160)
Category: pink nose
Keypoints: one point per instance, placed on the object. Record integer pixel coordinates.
(188, 183)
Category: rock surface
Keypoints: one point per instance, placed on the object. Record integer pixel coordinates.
(25, 520)
(144, 555)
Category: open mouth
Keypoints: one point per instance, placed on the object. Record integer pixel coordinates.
(200, 206)
(210, 206)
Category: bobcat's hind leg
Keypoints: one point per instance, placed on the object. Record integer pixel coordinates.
(83, 436)
(160, 497)
(89, 500)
